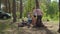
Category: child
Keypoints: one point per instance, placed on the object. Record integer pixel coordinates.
(22, 24)
(29, 19)
(34, 20)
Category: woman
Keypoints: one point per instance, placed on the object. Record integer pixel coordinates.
(38, 13)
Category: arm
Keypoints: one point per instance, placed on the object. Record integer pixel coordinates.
(34, 12)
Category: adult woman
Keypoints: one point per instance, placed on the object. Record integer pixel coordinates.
(38, 13)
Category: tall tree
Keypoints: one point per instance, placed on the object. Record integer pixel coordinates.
(59, 28)
(5, 3)
(0, 4)
(37, 3)
(21, 8)
(14, 11)
(59, 16)
(9, 7)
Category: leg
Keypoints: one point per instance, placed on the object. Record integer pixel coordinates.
(39, 22)
(30, 21)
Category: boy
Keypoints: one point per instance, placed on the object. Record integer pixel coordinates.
(29, 19)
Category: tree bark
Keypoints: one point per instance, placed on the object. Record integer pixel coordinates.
(9, 7)
(5, 3)
(59, 17)
(59, 28)
(37, 3)
(0, 4)
(21, 8)
(14, 11)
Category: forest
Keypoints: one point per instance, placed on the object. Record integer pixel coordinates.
(18, 10)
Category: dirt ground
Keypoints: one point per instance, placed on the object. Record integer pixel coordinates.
(52, 27)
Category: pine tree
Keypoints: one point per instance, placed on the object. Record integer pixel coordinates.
(14, 11)
(21, 8)
(0, 4)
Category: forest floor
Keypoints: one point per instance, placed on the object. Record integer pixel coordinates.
(52, 27)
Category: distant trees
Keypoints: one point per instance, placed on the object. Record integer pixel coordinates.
(49, 8)
(7, 6)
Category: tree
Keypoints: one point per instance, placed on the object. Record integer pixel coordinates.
(28, 6)
(59, 18)
(37, 3)
(59, 28)
(21, 8)
(9, 6)
(6, 8)
(0, 4)
(14, 11)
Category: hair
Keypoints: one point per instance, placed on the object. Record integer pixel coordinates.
(34, 16)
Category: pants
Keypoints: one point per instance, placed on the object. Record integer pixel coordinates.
(29, 21)
(39, 21)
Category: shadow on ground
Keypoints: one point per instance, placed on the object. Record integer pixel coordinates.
(37, 31)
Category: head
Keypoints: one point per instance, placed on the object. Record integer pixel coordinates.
(34, 16)
(30, 13)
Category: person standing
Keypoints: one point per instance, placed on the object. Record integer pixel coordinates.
(38, 13)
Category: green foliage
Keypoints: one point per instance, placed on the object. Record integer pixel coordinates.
(53, 10)
(50, 9)
(29, 4)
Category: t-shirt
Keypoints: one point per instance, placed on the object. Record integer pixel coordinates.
(29, 18)
(37, 12)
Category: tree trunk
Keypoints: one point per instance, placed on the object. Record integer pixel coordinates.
(59, 28)
(59, 18)
(21, 8)
(9, 6)
(37, 3)
(5, 3)
(0, 4)
(14, 11)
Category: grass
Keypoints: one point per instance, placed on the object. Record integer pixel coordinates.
(20, 30)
